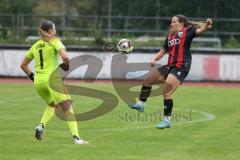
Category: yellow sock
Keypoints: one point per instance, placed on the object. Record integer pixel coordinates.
(47, 115)
(71, 121)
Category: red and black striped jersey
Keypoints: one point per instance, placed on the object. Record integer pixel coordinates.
(178, 46)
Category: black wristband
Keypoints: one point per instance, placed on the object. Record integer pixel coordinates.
(64, 66)
(31, 76)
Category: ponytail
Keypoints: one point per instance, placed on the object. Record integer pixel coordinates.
(43, 29)
(197, 24)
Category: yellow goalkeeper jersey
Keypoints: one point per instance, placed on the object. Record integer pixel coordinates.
(45, 56)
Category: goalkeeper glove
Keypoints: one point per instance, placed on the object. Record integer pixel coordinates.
(31, 76)
(64, 66)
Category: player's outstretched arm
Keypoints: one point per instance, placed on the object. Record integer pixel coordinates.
(26, 69)
(157, 57)
(204, 26)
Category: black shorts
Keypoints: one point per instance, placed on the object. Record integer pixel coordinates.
(179, 73)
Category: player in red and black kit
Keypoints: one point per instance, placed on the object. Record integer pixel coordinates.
(177, 44)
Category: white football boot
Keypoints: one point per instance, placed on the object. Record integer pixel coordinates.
(77, 140)
(39, 131)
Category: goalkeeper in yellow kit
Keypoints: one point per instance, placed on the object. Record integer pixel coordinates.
(46, 53)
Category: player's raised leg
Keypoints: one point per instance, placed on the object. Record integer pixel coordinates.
(153, 77)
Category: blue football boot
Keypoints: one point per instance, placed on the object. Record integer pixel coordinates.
(136, 106)
(163, 124)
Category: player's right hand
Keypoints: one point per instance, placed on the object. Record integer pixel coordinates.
(152, 63)
(31, 76)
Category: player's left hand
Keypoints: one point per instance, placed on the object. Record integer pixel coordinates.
(64, 66)
(209, 22)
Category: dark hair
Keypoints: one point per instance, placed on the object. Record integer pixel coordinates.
(46, 25)
(183, 19)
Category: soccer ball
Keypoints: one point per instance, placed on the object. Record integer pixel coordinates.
(125, 46)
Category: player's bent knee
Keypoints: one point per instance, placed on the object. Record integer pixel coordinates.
(66, 105)
(167, 96)
(146, 82)
(52, 104)
(168, 88)
(162, 79)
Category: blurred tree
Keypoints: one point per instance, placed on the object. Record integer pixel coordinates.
(232, 43)
(92, 17)
(48, 7)
(17, 6)
(13, 7)
(96, 8)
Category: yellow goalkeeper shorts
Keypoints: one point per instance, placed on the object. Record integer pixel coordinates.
(50, 95)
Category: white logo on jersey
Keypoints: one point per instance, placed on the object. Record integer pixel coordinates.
(173, 42)
(180, 34)
(179, 73)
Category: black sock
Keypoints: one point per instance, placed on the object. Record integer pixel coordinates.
(145, 92)
(168, 105)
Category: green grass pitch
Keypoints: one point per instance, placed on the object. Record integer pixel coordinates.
(206, 126)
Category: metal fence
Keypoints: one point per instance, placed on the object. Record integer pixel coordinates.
(23, 25)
